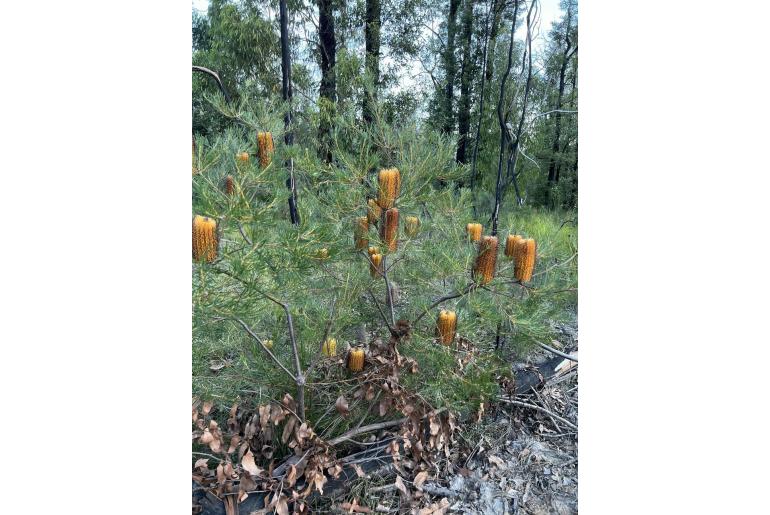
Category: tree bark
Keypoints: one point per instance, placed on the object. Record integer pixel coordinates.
(288, 137)
(552, 165)
(327, 92)
(497, 13)
(372, 60)
(481, 100)
(464, 112)
(450, 66)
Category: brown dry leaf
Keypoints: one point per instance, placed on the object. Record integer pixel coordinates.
(401, 486)
(358, 469)
(207, 407)
(247, 485)
(249, 465)
(419, 479)
(282, 507)
(234, 441)
(287, 429)
(206, 437)
(264, 416)
(215, 365)
(495, 460)
(335, 471)
(291, 476)
(202, 463)
(435, 425)
(342, 406)
(221, 473)
(438, 508)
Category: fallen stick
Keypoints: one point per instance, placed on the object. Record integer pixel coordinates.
(541, 409)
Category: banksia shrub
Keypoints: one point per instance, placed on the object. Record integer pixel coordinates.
(411, 225)
(390, 187)
(524, 257)
(374, 266)
(474, 231)
(265, 148)
(242, 157)
(229, 185)
(329, 347)
(389, 229)
(484, 269)
(205, 239)
(373, 211)
(446, 325)
(361, 232)
(356, 359)
(510, 245)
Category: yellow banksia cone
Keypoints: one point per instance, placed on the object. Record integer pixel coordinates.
(265, 148)
(390, 187)
(356, 359)
(205, 239)
(361, 232)
(329, 347)
(374, 266)
(269, 344)
(373, 210)
(484, 269)
(229, 185)
(510, 244)
(242, 157)
(389, 229)
(373, 250)
(524, 264)
(322, 253)
(474, 231)
(446, 325)
(411, 225)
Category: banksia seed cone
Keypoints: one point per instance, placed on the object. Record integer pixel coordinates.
(484, 269)
(373, 211)
(525, 260)
(390, 187)
(446, 326)
(242, 157)
(329, 347)
(229, 185)
(389, 229)
(265, 148)
(205, 239)
(374, 266)
(474, 231)
(411, 225)
(510, 244)
(361, 232)
(356, 359)
(373, 250)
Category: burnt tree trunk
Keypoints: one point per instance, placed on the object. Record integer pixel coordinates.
(372, 60)
(450, 66)
(327, 92)
(286, 91)
(464, 111)
(481, 100)
(497, 14)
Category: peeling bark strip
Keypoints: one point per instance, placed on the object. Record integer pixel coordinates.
(286, 91)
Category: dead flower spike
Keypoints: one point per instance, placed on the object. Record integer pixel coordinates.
(389, 229)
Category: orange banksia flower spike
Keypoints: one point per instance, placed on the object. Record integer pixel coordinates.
(242, 157)
(484, 269)
(525, 260)
(205, 239)
(356, 358)
(389, 187)
(374, 265)
(265, 147)
(510, 244)
(329, 347)
(361, 232)
(373, 250)
(389, 229)
(446, 325)
(373, 210)
(474, 231)
(411, 225)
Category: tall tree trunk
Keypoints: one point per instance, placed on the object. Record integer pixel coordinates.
(372, 60)
(327, 92)
(464, 112)
(288, 137)
(481, 100)
(552, 177)
(450, 67)
(497, 14)
(501, 121)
